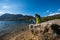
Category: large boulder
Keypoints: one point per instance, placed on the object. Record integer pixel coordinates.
(48, 30)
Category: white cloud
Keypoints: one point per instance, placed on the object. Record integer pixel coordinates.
(5, 7)
(58, 9)
(48, 11)
(1, 13)
(53, 14)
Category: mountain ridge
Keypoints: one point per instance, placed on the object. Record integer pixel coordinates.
(20, 17)
(15, 17)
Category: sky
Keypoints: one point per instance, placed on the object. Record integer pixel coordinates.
(30, 7)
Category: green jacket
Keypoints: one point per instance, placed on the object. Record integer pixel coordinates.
(38, 20)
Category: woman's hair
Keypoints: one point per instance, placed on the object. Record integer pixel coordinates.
(36, 15)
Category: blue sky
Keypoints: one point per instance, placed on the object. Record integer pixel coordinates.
(30, 7)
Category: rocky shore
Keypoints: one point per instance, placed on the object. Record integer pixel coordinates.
(49, 30)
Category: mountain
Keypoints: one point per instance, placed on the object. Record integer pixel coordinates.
(57, 16)
(20, 17)
(15, 17)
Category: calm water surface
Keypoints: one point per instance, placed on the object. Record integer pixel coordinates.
(8, 26)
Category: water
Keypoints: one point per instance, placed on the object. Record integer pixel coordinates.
(8, 26)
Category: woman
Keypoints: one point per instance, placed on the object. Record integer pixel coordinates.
(38, 18)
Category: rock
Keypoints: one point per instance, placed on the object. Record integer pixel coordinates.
(48, 30)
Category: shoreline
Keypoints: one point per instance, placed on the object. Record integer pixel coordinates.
(13, 33)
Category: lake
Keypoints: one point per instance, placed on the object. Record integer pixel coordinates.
(10, 26)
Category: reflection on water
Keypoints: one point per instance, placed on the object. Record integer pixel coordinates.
(8, 26)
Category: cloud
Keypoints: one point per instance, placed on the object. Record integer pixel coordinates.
(48, 11)
(1, 13)
(5, 7)
(53, 14)
(59, 9)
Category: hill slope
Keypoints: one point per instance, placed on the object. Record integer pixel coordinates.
(16, 17)
(51, 17)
